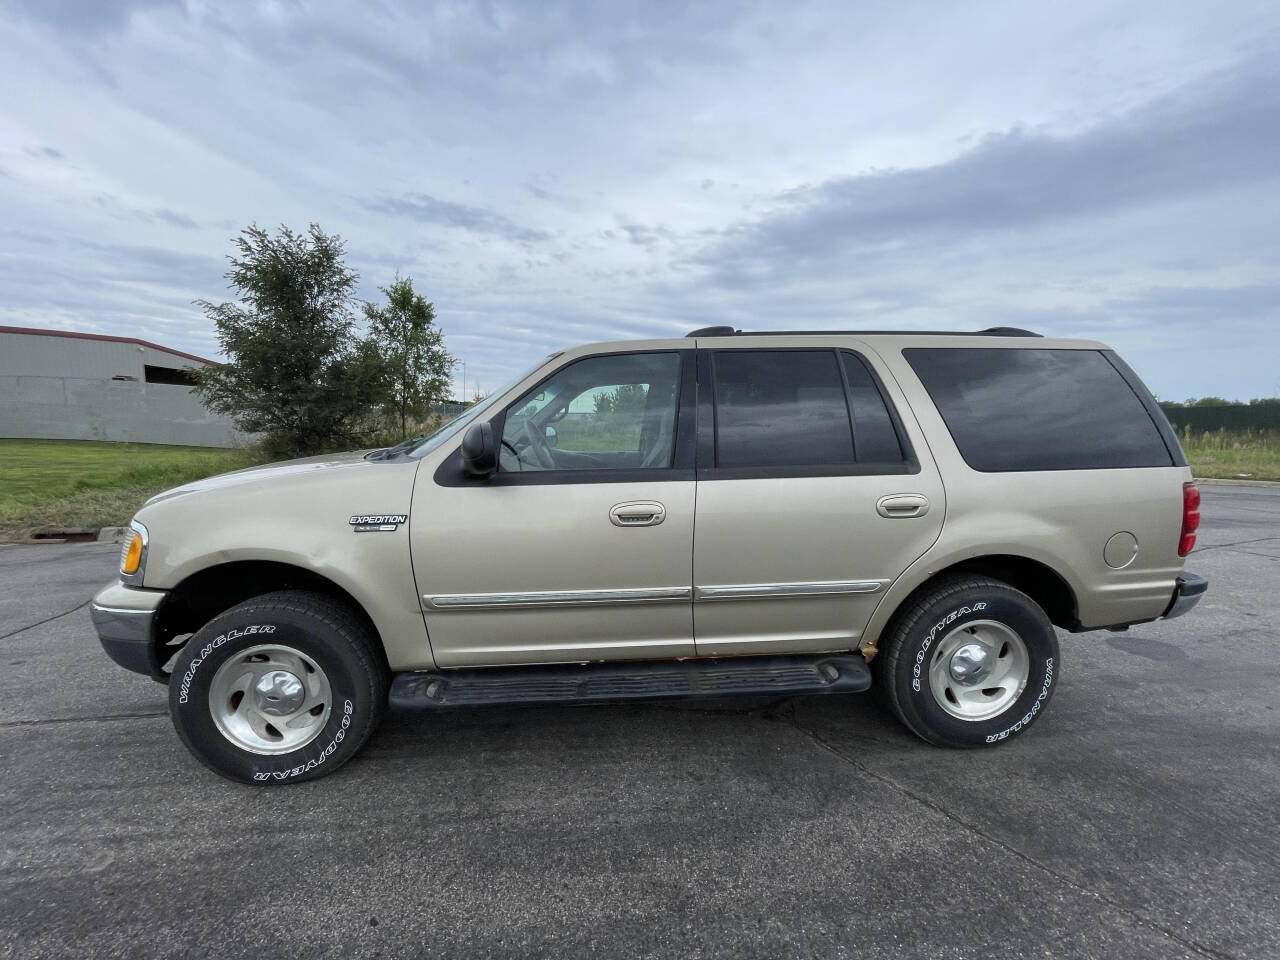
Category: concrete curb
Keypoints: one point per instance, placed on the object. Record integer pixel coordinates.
(38, 535)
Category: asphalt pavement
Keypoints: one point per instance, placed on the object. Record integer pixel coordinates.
(1139, 818)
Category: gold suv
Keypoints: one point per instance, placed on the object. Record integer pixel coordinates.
(728, 513)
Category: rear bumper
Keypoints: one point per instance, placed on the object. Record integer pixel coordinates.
(1187, 592)
(124, 618)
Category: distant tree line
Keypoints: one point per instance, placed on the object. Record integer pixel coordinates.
(1214, 413)
(1220, 402)
(298, 373)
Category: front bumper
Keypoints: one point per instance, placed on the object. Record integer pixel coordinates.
(1187, 591)
(125, 620)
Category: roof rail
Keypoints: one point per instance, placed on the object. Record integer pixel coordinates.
(988, 332)
(1009, 332)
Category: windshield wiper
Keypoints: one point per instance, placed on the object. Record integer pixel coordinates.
(390, 452)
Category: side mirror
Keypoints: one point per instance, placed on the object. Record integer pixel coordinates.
(552, 437)
(479, 451)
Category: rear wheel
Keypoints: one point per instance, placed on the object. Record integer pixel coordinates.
(970, 662)
(281, 688)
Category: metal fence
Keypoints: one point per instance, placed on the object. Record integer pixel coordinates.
(448, 409)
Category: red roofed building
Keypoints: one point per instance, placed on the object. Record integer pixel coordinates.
(62, 385)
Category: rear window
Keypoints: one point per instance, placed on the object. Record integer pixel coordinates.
(1016, 409)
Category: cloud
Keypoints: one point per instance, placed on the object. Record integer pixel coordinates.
(89, 16)
(111, 288)
(1209, 304)
(1217, 136)
(645, 236)
(427, 209)
(48, 153)
(570, 171)
(163, 215)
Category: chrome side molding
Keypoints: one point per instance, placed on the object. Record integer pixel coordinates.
(575, 598)
(559, 598)
(764, 591)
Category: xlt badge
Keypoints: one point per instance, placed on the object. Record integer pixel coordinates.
(372, 522)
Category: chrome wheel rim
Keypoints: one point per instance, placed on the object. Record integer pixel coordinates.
(270, 699)
(979, 669)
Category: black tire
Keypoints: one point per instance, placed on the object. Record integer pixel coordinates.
(319, 628)
(902, 668)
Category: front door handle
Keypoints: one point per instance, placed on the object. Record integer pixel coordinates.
(637, 513)
(899, 506)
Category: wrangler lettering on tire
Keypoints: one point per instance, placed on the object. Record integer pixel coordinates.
(282, 688)
(970, 662)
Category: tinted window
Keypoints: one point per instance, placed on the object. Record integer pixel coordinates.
(780, 408)
(1019, 409)
(612, 412)
(874, 438)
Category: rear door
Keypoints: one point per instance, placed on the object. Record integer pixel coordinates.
(813, 497)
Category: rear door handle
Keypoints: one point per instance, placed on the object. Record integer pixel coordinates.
(637, 513)
(900, 506)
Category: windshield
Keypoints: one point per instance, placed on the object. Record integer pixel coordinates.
(433, 440)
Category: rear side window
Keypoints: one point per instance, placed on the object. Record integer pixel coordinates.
(780, 408)
(1016, 409)
(801, 413)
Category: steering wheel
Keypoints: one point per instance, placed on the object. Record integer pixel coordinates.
(515, 453)
(537, 445)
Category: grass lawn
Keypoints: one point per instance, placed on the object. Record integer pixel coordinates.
(85, 483)
(1234, 454)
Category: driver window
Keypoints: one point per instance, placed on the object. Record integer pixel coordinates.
(614, 412)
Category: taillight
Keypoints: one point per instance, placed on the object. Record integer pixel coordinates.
(1190, 518)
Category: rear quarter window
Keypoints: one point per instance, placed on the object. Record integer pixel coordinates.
(1017, 409)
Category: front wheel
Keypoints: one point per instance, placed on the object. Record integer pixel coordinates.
(971, 662)
(281, 688)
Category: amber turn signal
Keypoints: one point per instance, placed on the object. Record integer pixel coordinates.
(132, 555)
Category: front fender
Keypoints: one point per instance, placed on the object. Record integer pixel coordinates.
(302, 518)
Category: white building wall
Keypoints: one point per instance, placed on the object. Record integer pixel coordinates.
(62, 388)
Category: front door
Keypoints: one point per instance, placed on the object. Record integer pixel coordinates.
(811, 500)
(579, 547)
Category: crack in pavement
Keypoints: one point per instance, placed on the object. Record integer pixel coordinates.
(1192, 945)
(107, 716)
(64, 613)
(1238, 543)
(1253, 553)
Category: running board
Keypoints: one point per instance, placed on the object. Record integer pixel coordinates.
(635, 680)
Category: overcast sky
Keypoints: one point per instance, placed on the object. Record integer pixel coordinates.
(555, 173)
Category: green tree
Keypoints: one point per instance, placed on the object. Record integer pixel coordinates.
(624, 398)
(411, 346)
(296, 372)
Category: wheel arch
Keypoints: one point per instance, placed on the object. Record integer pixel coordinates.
(1036, 578)
(207, 592)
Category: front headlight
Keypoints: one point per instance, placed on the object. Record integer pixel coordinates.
(133, 555)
